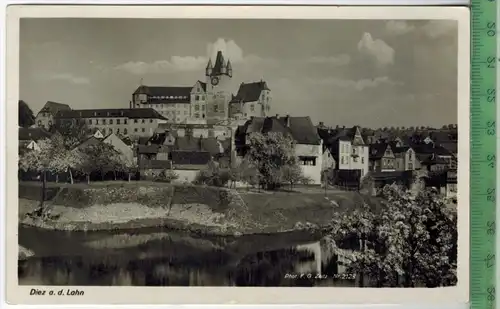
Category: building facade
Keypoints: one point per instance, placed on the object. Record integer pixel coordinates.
(348, 148)
(126, 122)
(252, 100)
(308, 144)
(45, 117)
(382, 158)
(208, 101)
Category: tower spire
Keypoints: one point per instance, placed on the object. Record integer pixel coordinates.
(209, 68)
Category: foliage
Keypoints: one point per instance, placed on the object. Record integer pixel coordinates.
(26, 117)
(97, 157)
(413, 238)
(213, 175)
(271, 153)
(292, 174)
(167, 175)
(248, 173)
(73, 132)
(41, 160)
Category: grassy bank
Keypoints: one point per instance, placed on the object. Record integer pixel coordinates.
(204, 210)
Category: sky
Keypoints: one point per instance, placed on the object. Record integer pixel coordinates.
(373, 73)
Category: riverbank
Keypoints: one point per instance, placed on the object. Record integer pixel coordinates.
(199, 210)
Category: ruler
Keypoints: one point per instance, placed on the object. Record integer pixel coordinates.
(483, 156)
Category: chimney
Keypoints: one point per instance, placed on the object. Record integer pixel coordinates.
(130, 104)
(287, 121)
(321, 124)
(277, 115)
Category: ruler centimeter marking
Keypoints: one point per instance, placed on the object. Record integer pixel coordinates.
(483, 154)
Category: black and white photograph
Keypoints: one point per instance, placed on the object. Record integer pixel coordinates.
(238, 152)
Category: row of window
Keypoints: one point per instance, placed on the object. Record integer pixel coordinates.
(173, 113)
(171, 97)
(118, 121)
(198, 107)
(106, 131)
(345, 148)
(345, 159)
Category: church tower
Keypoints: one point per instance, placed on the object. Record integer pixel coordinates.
(218, 79)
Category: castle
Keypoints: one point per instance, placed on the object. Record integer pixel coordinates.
(208, 101)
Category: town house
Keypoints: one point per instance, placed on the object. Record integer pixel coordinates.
(382, 158)
(348, 148)
(405, 157)
(45, 117)
(308, 144)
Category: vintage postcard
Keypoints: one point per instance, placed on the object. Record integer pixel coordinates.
(197, 154)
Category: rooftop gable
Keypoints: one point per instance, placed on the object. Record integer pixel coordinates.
(33, 134)
(249, 92)
(301, 129)
(54, 107)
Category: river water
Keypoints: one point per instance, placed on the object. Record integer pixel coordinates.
(153, 257)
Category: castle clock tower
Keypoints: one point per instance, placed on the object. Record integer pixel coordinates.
(218, 79)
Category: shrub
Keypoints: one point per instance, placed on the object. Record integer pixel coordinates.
(167, 176)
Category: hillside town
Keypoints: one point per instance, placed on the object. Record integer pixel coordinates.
(185, 130)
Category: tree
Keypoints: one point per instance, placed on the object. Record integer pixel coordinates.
(213, 175)
(73, 131)
(26, 118)
(270, 153)
(97, 157)
(40, 161)
(249, 173)
(413, 238)
(291, 174)
(121, 163)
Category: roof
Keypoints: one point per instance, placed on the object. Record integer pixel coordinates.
(209, 144)
(54, 107)
(428, 149)
(35, 134)
(89, 141)
(301, 129)
(377, 150)
(203, 85)
(249, 92)
(395, 149)
(331, 136)
(190, 157)
(219, 64)
(150, 149)
(132, 113)
(165, 94)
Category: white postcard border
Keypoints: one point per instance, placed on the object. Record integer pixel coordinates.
(239, 295)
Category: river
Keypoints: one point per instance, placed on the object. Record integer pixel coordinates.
(152, 257)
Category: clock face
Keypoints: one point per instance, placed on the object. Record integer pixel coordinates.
(215, 81)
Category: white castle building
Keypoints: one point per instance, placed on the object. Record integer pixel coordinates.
(208, 101)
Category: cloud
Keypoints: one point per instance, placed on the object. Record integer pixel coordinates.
(438, 28)
(230, 50)
(339, 60)
(358, 85)
(174, 64)
(398, 27)
(376, 49)
(67, 77)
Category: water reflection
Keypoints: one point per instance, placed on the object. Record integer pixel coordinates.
(173, 259)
